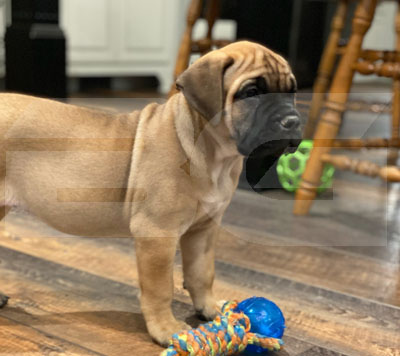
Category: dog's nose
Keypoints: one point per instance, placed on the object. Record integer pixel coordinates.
(290, 122)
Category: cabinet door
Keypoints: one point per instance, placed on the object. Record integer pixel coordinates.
(89, 28)
(149, 30)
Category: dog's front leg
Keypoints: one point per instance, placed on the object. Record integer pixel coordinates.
(198, 246)
(155, 260)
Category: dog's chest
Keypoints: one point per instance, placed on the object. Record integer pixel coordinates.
(214, 202)
(11, 200)
(219, 193)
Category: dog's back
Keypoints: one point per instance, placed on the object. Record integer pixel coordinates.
(23, 116)
(83, 156)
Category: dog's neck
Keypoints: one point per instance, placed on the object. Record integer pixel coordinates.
(211, 152)
(194, 130)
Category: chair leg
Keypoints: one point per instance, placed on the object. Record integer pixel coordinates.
(328, 126)
(212, 15)
(393, 153)
(326, 67)
(185, 49)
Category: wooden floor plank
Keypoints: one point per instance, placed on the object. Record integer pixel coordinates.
(310, 310)
(49, 297)
(344, 323)
(95, 313)
(322, 267)
(16, 338)
(332, 225)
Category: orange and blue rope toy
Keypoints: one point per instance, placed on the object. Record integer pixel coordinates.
(254, 326)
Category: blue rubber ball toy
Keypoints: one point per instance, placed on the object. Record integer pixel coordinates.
(266, 319)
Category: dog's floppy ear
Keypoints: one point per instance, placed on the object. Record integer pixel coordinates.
(202, 83)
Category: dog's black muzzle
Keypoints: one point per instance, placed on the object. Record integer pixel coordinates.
(275, 127)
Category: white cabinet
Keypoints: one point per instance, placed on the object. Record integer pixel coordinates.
(123, 37)
(117, 37)
(88, 27)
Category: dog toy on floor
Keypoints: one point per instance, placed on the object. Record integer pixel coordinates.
(290, 168)
(254, 326)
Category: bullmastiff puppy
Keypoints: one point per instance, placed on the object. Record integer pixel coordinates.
(163, 175)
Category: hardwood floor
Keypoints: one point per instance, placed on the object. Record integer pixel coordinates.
(335, 275)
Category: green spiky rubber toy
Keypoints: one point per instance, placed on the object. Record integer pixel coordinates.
(291, 167)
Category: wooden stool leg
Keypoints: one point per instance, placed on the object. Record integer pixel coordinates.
(393, 153)
(185, 48)
(212, 15)
(328, 126)
(326, 67)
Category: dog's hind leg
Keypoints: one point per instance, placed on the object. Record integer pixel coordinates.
(4, 208)
(3, 212)
(3, 300)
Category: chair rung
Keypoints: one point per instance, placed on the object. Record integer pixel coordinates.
(366, 168)
(386, 56)
(370, 143)
(382, 69)
(372, 55)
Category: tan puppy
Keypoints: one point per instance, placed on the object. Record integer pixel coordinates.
(163, 175)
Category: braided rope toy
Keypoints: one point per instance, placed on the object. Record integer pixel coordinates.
(232, 331)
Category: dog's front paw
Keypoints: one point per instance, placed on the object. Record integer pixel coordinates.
(209, 311)
(162, 331)
(3, 300)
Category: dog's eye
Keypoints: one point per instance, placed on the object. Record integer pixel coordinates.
(252, 91)
(247, 92)
(257, 86)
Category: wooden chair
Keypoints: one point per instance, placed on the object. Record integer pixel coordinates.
(354, 59)
(332, 49)
(188, 46)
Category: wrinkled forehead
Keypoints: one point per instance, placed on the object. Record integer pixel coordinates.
(252, 61)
